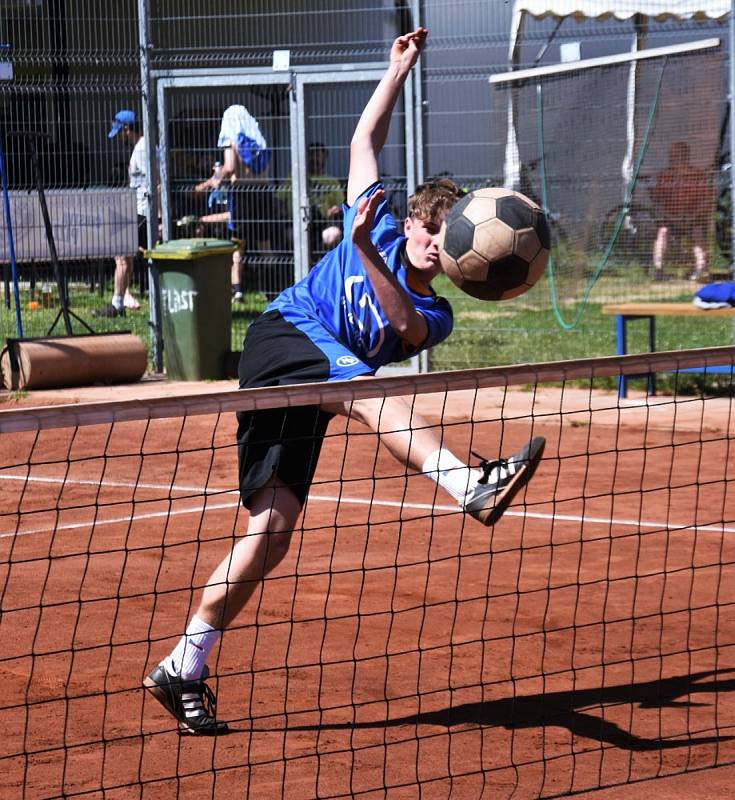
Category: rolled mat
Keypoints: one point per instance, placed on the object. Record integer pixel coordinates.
(64, 361)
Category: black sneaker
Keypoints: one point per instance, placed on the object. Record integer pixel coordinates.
(108, 311)
(501, 482)
(192, 702)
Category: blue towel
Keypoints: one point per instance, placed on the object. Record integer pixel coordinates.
(716, 295)
(253, 155)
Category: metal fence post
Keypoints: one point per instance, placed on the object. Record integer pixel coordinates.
(149, 128)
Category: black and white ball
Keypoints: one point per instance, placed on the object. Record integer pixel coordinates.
(494, 244)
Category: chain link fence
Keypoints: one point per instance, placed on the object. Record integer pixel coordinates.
(304, 71)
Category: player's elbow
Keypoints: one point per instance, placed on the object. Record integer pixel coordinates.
(402, 329)
(413, 335)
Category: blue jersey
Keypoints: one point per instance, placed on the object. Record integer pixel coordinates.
(336, 307)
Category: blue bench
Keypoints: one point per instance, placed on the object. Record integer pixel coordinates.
(627, 312)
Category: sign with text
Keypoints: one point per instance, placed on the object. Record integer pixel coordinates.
(86, 223)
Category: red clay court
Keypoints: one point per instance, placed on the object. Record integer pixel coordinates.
(401, 650)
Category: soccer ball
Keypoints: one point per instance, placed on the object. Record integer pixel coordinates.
(494, 244)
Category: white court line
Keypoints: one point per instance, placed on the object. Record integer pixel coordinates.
(110, 484)
(370, 502)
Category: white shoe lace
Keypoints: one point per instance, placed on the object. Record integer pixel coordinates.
(194, 703)
(494, 472)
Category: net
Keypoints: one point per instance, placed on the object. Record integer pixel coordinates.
(614, 151)
(400, 647)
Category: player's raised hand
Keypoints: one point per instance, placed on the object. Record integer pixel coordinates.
(372, 129)
(407, 48)
(364, 218)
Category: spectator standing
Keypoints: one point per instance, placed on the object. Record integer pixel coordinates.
(126, 124)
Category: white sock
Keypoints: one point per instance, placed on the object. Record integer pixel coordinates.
(117, 301)
(456, 478)
(190, 654)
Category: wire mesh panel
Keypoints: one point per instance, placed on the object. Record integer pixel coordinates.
(74, 66)
(330, 113)
(245, 206)
(232, 33)
(644, 156)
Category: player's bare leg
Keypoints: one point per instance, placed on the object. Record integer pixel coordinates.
(273, 515)
(484, 493)
(179, 681)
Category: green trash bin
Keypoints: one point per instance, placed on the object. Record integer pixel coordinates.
(196, 310)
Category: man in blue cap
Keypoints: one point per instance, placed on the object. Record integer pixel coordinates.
(126, 124)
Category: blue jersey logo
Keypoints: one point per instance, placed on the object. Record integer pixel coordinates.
(347, 361)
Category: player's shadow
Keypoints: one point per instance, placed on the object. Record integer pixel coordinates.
(579, 711)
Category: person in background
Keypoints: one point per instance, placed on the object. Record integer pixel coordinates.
(249, 202)
(127, 126)
(685, 200)
(326, 196)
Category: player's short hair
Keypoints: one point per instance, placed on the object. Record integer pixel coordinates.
(432, 198)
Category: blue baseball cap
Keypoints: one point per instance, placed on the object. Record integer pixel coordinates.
(122, 118)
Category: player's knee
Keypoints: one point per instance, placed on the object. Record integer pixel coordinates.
(383, 414)
(276, 547)
(367, 411)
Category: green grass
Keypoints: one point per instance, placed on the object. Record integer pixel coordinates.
(526, 329)
(514, 331)
(38, 322)
(485, 334)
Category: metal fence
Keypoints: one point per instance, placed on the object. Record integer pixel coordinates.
(304, 70)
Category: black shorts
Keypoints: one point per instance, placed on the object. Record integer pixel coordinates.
(280, 441)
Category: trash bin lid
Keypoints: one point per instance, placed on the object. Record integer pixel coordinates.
(189, 249)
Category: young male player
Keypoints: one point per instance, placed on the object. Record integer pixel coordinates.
(367, 303)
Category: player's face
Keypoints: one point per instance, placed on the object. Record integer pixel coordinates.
(422, 245)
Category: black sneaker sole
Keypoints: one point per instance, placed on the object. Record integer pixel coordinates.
(531, 453)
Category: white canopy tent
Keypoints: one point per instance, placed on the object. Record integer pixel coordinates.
(640, 11)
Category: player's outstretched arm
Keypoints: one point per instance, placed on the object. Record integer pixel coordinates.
(402, 315)
(372, 129)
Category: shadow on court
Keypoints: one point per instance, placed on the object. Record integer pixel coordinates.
(575, 710)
